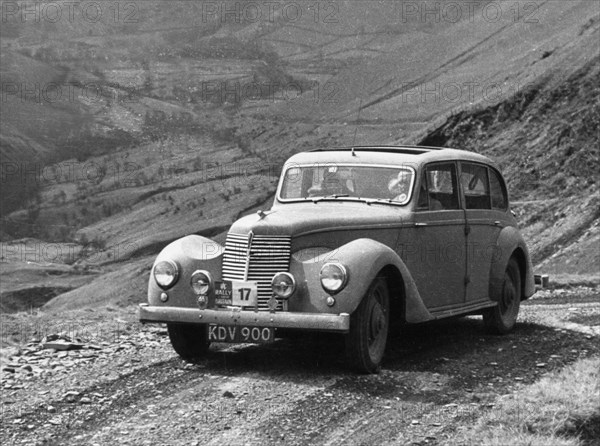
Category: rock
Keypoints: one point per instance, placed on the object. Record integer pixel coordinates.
(70, 396)
(415, 422)
(61, 344)
(85, 400)
(228, 394)
(51, 409)
(26, 368)
(93, 347)
(8, 369)
(541, 364)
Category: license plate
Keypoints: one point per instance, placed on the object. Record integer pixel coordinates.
(240, 334)
(236, 293)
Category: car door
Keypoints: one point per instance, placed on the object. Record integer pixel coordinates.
(483, 224)
(435, 245)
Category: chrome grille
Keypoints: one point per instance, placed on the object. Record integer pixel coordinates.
(268, 255)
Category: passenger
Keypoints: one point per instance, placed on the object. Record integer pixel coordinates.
(399, 186)
(426, 201)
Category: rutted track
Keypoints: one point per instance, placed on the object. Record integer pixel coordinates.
(435, 378)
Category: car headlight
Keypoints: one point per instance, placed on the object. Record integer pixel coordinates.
(201, 282)
(334, 277)
(166, 273)
(283, 285)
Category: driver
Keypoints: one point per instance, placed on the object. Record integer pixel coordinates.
(399, 186)
(335, 182)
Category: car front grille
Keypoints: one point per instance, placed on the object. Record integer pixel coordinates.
(257, 258)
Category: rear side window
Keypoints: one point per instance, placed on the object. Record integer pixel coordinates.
(439, 188)
(498, 191)
(475, 186)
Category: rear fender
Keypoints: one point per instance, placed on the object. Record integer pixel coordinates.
(510, 243)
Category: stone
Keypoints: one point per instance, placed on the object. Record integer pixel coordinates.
(61, 344)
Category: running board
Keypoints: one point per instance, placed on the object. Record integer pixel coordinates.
(465, 309)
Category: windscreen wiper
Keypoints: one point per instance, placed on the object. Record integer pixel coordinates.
(316, 199)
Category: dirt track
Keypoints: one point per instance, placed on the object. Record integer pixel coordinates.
(435, 379)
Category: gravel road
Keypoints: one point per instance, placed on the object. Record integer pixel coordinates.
(436, 379)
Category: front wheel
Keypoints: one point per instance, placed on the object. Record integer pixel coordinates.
(190, 341)
(502, 318)
(369, 325)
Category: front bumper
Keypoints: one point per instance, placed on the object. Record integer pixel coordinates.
(307, 321)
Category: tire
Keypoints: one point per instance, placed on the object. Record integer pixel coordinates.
(190, 341)
(369, 326)
(502, 318)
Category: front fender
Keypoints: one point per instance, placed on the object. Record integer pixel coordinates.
(364, 259)
(511, 243)
(189, 253)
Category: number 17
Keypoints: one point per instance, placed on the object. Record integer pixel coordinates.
(244, 293)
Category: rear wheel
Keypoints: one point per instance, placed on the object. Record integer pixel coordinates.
(190, 341)
(369, 325)
(502, 318)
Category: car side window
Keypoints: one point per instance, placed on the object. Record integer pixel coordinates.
(423, 202)
(442, 186)
(475, 186)
(498, 191)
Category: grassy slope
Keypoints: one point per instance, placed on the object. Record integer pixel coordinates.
(560, 409)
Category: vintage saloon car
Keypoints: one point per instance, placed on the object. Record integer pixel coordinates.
(357, 239)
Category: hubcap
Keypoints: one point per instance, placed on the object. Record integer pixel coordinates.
(508, 293)
(377, 321)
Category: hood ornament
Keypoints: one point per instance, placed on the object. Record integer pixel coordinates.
(262, 214)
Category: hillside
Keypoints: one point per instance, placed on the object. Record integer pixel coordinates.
(196, 114)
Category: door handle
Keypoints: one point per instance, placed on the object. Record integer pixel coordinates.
(497, 223)
(420, 225)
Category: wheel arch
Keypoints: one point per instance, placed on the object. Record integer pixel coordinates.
(189, 253)
(521, 259)
(366, 258)
(397, 292)
(510, 244)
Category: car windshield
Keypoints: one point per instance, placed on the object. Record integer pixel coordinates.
(351, 182)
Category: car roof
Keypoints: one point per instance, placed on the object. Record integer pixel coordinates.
(393, 155)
